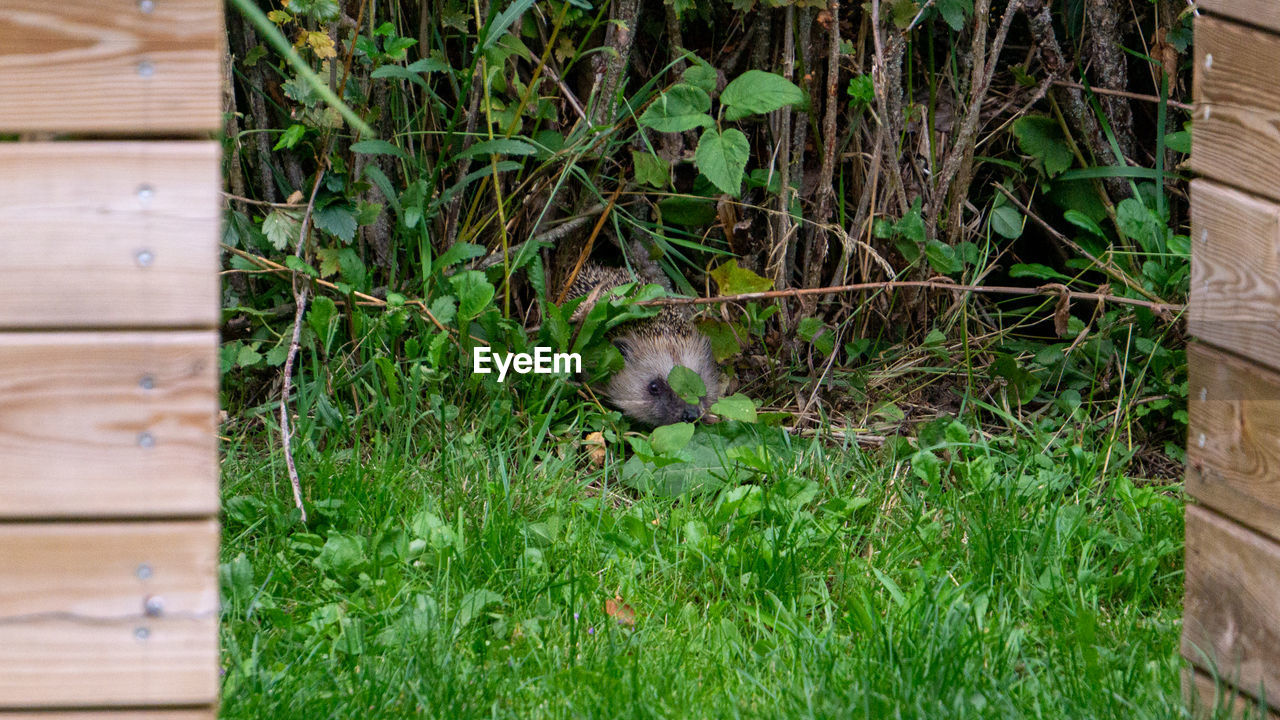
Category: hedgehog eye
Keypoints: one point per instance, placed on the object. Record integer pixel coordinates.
(655, 387)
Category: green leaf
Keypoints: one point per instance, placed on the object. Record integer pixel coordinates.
(498, 146)
(861, 91)
(1007, 221)
(687, 211)
(1084, 222)
(338, 220)
(702, 76)
(942, 257)
(954, 12)
(474, 603)
(474, 292)
(683, 107)
(1139, 223)
(687, 384)
(724, 339)
(670, 439)
(757, 91)
(444, 308)
(650, 169)
(722, 158)
(733, 280)
(248, 356)
(735, 407)
(378, 147)
(1041, 138)
(291, 136)
(341, 554)
(459, 252)
(297, 264)
(281, 229)
(1036, 270)
(1179, 142)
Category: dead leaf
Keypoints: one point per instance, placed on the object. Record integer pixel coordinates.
(594, 444)
(615, 608)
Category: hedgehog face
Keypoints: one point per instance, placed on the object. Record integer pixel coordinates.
(640, 389)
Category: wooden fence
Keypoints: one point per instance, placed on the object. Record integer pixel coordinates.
(109, 305)
(1231, 627)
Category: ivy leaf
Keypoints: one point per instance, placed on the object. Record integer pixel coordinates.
(281, 228)
(734, 280)
(650, 169)
(757, 91)
(722, 158)
(1042, 138)
(687, 384)
(735, 407)
(683, 107)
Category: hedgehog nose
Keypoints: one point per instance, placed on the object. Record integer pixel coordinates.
(691, 413)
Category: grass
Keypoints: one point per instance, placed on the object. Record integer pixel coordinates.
(449, 571)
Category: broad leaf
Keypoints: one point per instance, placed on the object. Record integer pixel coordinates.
(683, 107)
(757, 91)
(722, 158)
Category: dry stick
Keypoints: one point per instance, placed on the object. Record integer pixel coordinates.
(826, 193)
(271, 266)
(1125, 94)
(1058, 289)
(586, 249)
(300, 297)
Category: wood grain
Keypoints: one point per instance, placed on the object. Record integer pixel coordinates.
(107, 66)
(73, 625)
(1235, 272)
(1233, 453)
(1263, 13)
(73, 411)
(109, 234)
(1206, 699)
(1231, 605)
(131, 714)
(1237, 127)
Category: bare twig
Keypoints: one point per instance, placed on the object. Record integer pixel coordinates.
(1056, 289)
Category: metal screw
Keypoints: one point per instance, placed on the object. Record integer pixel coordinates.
(1204, 236)
(1201, 440)
(144, 258)
(1207, 112)
(146, 7)
(146, 382)
(141, 633)
(1208, 61)
(143, 572)
(146, 69)
(145, 193)
(153, 606)
(1204, 394)
(146, 440)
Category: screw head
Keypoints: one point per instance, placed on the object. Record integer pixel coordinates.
(1208, 61)
(1204, 394)
(1200, 440)
(144, 258)
(153, 606)
(146, 440)
(145, 193)
(142, 633)
(1204, 235)
(146, 7)
(146, 69)
(143, 572)
(147, 382)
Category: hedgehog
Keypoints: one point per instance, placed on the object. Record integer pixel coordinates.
(650, 348)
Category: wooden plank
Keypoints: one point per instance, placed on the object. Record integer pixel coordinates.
(75, 629)
(109, 234)
(1235, 272)
(1233, 453)
(1233, 457)
(1263, 13)
(1205, 698)
(1231, 607)
(1237, 136)
(98, 424)
(206, 713)
(118, 66)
